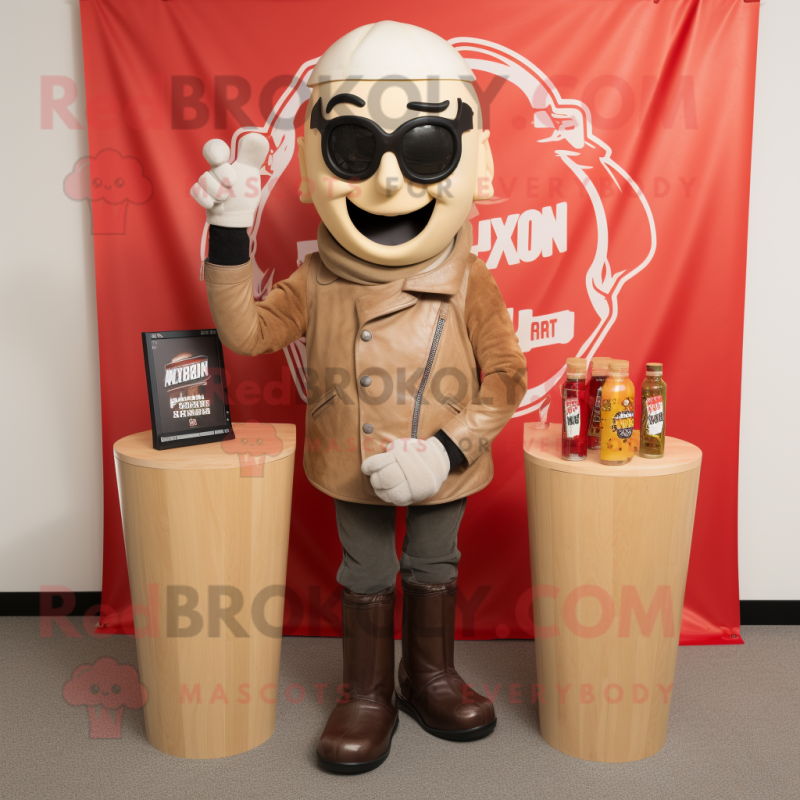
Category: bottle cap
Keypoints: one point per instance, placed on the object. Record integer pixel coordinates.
(655, 366)
(619, 367)
(576, 367)
(600, 366)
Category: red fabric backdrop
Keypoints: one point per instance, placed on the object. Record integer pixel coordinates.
(621, 132)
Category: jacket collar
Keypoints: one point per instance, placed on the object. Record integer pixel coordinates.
(447, 277)
(444, 279)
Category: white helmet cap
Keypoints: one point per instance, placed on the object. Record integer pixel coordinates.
(390, 50)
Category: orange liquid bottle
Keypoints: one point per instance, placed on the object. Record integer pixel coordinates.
(617, 416)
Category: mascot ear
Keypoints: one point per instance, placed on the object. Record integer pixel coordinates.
(483, 184)
(305, 188)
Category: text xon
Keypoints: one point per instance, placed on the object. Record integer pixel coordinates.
(523, 237)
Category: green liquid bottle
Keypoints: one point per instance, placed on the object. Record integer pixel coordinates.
(654, 410)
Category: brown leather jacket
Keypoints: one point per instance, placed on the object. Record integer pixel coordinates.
(385, 361)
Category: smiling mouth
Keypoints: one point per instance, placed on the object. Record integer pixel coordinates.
(391, 231)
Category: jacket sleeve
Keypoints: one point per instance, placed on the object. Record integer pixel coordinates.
(251, 327)
(501, 360)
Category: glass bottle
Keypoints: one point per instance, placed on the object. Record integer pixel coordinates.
(593, 397)
(654, 412)
(617, 415)
(575, 421)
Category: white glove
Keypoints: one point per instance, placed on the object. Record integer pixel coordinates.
(230, 193)
(410, 471)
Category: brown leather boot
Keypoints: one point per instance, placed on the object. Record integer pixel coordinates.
(431, 690)
(360, 729)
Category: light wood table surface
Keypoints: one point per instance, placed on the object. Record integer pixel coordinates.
(609, 556)
(206, 535)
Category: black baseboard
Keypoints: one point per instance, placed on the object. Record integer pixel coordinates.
(769, 612)
(31, 604)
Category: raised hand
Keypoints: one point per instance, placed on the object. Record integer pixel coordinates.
(230, 192)
(410, 471)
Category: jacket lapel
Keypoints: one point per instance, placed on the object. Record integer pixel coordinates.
(383, 299)
(444, 280)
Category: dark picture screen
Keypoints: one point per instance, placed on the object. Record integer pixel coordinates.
(185, 379)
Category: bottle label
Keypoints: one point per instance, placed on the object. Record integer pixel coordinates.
(622, 424)
(572, 417)
(594, 420)
(655, 415)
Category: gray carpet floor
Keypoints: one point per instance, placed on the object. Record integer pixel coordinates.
(733, 733)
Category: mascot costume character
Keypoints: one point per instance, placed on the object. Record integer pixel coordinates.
(413, 364)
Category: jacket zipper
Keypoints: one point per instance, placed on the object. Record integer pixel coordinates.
(437, 335)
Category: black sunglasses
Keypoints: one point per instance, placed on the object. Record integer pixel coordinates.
(427, 148)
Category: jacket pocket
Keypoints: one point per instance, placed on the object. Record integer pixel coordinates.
(452, 405)
(325, 402)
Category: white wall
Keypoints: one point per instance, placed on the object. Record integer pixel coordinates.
(769, 478)
(51, 483)
(52, 504)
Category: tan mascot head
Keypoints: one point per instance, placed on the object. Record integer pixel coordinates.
(394, 153)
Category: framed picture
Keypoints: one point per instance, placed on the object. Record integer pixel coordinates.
(186, 388)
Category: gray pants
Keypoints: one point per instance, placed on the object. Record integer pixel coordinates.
(369, 558)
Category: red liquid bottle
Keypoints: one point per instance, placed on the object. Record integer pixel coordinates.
(575, 421)
(599, 375)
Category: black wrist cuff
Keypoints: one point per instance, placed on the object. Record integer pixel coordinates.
(228, 247)
(453, 453)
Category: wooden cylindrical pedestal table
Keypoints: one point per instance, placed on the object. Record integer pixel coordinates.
(207, 536)
(609, 556)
